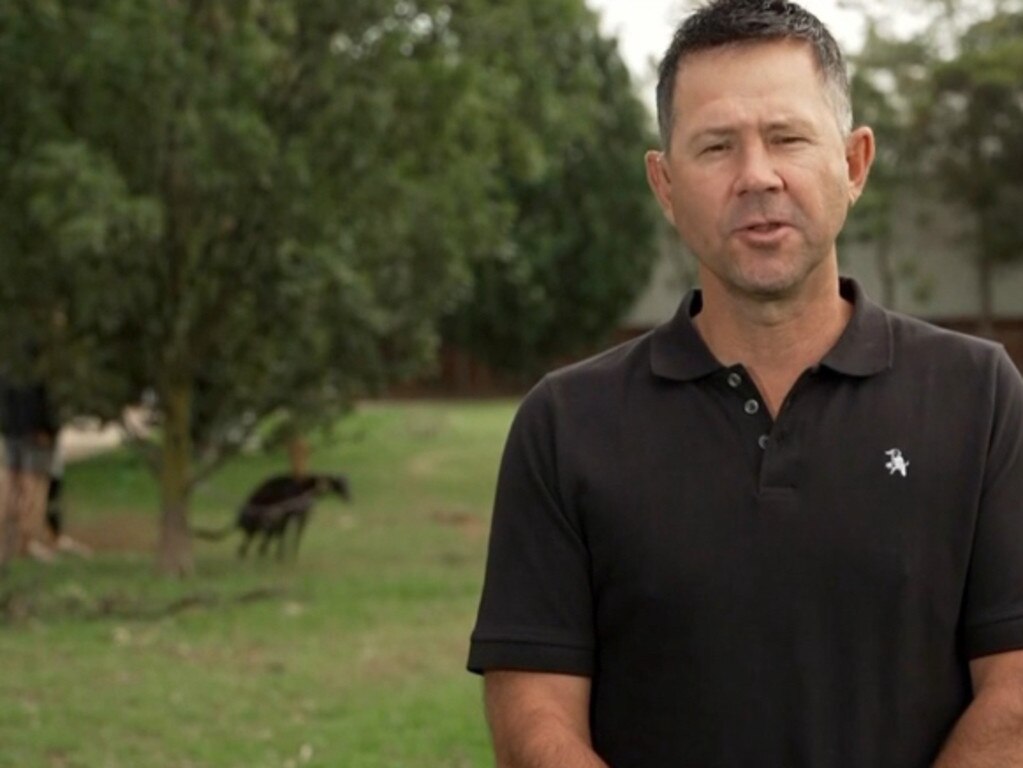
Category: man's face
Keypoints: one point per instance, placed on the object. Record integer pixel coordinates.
(759, 178)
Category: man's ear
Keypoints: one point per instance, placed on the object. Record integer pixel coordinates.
(859, 156)
(658, 175)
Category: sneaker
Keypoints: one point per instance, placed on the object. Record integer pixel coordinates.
(65, 543)
(40, 552)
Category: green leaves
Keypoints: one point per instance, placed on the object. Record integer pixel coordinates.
(947, 109)
(568, 167)
(251, 212)
(228, 196)
(77, 197)
(975, 123)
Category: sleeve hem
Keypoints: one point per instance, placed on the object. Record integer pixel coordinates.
(534, 657)
(995, 637)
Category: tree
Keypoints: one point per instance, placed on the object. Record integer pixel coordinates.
(888, 85)
(254, 209)
(581, 239)
(975, 126)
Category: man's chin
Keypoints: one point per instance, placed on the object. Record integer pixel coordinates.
(768, 288)
(776, 282)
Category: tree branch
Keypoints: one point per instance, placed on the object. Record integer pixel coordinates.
(141, 443)
(220, 453)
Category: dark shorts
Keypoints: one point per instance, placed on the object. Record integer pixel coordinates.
(26, 455)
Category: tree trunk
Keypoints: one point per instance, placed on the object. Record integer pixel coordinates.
(463, 370)
(174, 549)
(298, 454)
(986, 321)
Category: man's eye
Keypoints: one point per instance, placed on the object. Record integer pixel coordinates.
(791, 139)
(714, 149)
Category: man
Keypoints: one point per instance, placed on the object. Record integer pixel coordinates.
(784, 530)
(29, 428)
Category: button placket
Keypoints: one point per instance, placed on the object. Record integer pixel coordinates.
(783, 462)
(757, 429)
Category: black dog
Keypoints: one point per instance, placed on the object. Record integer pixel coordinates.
(280, 503)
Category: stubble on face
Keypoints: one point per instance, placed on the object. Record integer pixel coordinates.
(772, 267)
(762, 210)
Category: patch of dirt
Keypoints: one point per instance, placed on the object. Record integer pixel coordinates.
(469, 523)
(423, 465)
(123, 533)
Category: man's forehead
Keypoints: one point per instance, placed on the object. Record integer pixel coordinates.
(722, 85)
(736, 120)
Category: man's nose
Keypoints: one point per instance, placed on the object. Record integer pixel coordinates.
(757, 171)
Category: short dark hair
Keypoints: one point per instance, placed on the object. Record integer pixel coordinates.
(731, 22)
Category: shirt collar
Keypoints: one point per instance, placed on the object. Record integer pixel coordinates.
(678, 351)
(865, 346)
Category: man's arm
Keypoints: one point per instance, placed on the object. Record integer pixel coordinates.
(540, 720)
(990, 732)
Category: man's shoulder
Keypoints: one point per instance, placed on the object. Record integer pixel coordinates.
(918, 340)
(592, 386)
(614, 365)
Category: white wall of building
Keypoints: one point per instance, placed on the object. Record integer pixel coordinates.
(938, 277)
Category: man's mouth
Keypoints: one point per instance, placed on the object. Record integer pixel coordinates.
(765, 228)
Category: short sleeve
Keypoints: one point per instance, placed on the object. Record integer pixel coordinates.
(536, 611)
(993, 610)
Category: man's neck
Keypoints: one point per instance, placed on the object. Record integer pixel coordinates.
(775, 340)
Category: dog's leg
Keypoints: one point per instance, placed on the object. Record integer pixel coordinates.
(286, 533)
(264, 543)
(243, 548)
(300, 520)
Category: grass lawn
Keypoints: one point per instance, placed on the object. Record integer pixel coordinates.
(351, 657)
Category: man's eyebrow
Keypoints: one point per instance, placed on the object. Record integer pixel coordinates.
(789, 124)
(721, 131)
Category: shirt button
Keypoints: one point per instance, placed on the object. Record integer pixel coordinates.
(763, 442)
(752, 406)
(734, 380)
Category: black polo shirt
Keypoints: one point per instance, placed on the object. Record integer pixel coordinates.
(803, 592)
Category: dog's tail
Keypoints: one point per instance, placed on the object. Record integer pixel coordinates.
(212, 534)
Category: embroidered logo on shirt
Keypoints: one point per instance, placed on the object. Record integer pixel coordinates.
(896, 462)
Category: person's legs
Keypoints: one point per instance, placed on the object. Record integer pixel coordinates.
(30, 485)
(55, 517)
(35, 537)
(8, 520)
(54, 512)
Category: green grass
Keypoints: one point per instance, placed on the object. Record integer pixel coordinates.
(352, 657)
